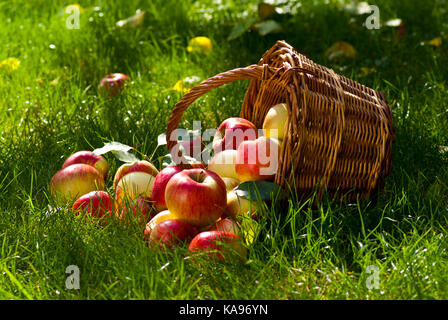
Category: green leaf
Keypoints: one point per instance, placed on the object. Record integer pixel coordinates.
(260, 190)
(161, 139)
(268, 26)
(125, 156)
(112, 146)
(237, 31)
(120, 151)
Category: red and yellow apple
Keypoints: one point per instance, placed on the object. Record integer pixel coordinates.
(232, 132)
(159, 186)
(161, 216)
(136, 166)
(237, 206)
(274, 123)
(140, 209)
(196, 196)
(87, 157)
(171, 232)
(225, 225)
(133, 185)
(223, 163)
(98, 204)
(70, 183)
(113, 83)
(257, 159)
(230, 183)
(218, 244)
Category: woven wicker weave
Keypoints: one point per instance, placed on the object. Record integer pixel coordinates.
(339, 135)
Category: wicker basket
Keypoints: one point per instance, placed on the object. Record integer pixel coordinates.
(339, 135)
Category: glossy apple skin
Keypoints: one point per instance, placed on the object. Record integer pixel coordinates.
(241, 206)
(159, 186)
(70, 183)
(87, 157)
(257, 159)
(98, 204)
(136, 166)
(225, 225)
(140, 209)
(113, 83)
(223, 163)
(171, 232)
(196, 196)
(276, 119)
(159, 217)
(219, 245)
(232, 132)
(231, 183)
(133, 185)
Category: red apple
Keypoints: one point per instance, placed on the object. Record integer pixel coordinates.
(159, 186)
(140, 209)
(74, 181)
(87, 157)
(257, 159)
(232, 132)
(113, 83)
(136, 166)
(96, 203)
(196, 196)
(225, 225)
(218, 244)
(161, 216)
(171, 232)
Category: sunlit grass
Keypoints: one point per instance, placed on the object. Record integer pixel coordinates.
(51, 107)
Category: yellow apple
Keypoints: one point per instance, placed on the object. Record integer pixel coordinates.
(241, 206)
(134, 184)
(275, 121)
(223, 163)
(230, 183)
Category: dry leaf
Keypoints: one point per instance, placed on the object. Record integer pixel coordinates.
(200, 44)
(436, 42)
(10, 64)
(341, 49)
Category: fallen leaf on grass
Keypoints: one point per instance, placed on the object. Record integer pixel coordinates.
(339, 50)
(200, 44)
(436, 42)
(186, 84)
(10, 64)
(132, 22)
(267, 27)
(265, 10)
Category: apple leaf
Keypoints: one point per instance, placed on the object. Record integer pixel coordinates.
(268, 26)
(161, 139)
(259, 190)
(125, 156)
(121, 151)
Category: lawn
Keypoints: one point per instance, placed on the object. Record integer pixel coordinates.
(50, 107)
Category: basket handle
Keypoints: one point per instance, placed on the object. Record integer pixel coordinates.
(256, 72)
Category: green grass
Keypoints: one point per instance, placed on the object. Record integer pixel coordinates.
(301, 252)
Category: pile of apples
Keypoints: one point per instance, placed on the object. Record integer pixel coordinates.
(176, 206)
